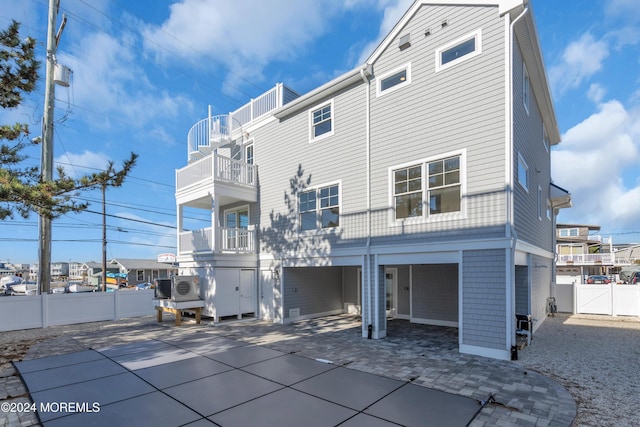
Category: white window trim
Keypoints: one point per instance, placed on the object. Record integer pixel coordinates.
(380, 92)
(245, 148)
(318, 228)
(526, 166)
(548, 209)
(427, 218)
(333, 121)
(237, 209)
(476, 34)
(526, 88)
(540, 203)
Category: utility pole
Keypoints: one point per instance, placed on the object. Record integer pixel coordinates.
(104, 237)
(44, 225)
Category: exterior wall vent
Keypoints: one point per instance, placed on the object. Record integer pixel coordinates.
(294, 312)
(405, 42)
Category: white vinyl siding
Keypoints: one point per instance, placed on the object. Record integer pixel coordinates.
(393, 80)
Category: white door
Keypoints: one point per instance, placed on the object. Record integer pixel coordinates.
(247, 281)
(391, 291)
(227, 292)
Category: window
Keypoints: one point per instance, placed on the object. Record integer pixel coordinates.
(394, 79)
(319, 208)
(408, 192)
(526, 87)
(459, 50)
(545, 138)
(321, 119)
(539, 203)
(568, 232)
(140, 275)
(548, 209)
(523, 172)
(444, 185)
(248, 154)
(441, 190)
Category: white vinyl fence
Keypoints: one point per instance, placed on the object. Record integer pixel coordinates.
(610, 299)
(40, 311)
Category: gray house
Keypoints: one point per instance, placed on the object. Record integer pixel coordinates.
(415, 186)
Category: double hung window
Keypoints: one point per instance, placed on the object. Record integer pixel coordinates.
(321, 121)
(427, 189)
(319, 208)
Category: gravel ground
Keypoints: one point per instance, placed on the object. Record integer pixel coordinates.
(597, 359)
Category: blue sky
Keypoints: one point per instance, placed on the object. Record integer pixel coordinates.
(144, 72)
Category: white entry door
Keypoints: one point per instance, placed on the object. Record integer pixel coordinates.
(247, 286)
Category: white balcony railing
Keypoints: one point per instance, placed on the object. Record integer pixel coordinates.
(237, 240)
(216, 130)
(216, 168)
(586, 259)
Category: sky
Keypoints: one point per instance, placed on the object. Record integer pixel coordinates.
(144, 72)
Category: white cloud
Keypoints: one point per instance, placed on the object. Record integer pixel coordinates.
(393, 11)
(108, 79)
(597, 162)
(596, 93)
(581, 59)
(80, 164)
(205, 31)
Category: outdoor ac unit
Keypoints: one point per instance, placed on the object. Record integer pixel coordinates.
(185, 288)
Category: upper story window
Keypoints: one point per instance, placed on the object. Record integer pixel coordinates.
(321, 121)
(568, 232)
(523, 172)
(394, 79)
(439, 193)
(319, 208)
(526, 87)
(248, 154)
(545, 138)
(459, 50)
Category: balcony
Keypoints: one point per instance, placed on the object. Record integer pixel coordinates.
(217, 175)
(586, 259)
(212, 132)
(226, 240)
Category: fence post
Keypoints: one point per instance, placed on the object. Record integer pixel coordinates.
(116, 304)
(45, 309)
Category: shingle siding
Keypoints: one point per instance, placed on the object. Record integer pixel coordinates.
(313, 290)
(484, 298)
(435, 292)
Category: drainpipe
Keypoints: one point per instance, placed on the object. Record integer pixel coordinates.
(367, 83)
(511, 233)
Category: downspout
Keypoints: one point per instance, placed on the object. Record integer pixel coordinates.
(511, 233)
(367, 83)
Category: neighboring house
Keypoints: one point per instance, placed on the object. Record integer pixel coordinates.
(416, 186)
(92, 272)
(59, 271)
(143, 270)
(581, 253)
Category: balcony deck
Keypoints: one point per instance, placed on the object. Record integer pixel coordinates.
(586, 259)
(226, 240)
(217, 175)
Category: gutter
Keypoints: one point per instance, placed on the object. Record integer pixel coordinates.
(365, 79)
(326, 90)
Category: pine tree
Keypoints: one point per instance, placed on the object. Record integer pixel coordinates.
(22, 190)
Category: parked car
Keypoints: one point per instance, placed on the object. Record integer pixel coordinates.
(596, 280)
(635, 278)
